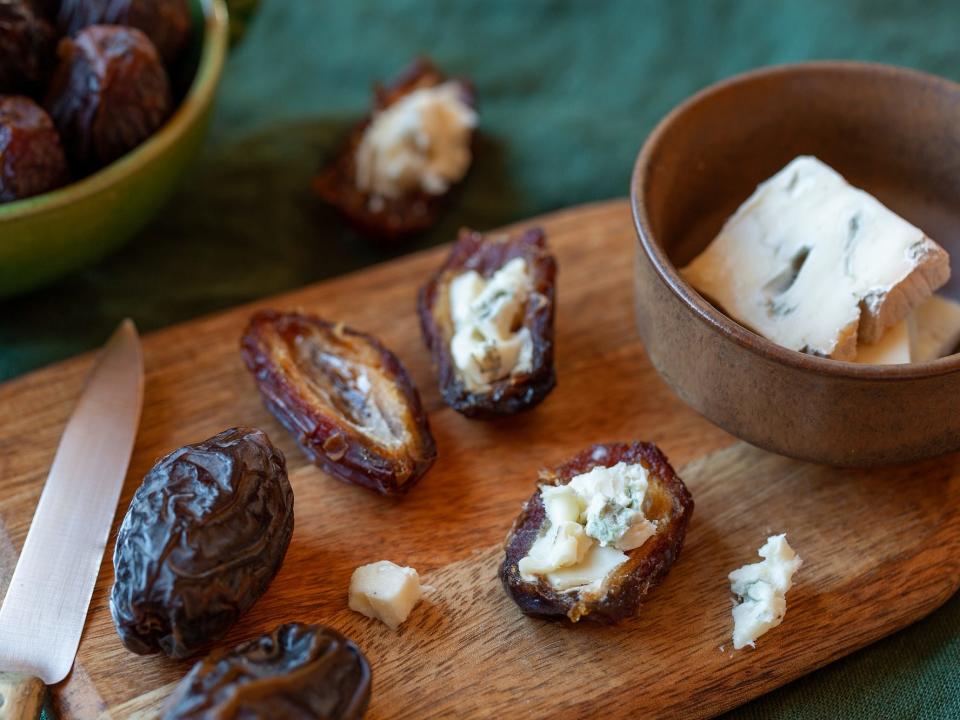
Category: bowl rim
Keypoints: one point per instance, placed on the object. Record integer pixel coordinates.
(707, 313)
(209, 67)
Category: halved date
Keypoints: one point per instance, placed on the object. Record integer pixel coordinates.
(619, 594)
(346, 398)
(376, 215)
(474, 371)
(300, 672)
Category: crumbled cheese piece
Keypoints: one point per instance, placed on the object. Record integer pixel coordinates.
(892, 349)
(610, 500)
(762, 587)
(935, 329)
(590, 573)
(815, 264)
(591, 521)
(384, 591)
(564, 544)
(489, 342)
(420, 142)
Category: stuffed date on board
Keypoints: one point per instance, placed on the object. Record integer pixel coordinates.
(487, 316)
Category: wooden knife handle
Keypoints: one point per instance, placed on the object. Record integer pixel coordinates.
(21, 696)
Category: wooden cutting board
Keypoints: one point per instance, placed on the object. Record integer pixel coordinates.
(881, 548)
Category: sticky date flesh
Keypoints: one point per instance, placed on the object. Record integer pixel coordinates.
(486, 254)
(27, 43)
(667, 503)
(165, 22)
(205, 534)
(387, 219)
(109, 93)
(346, 398)
(31, 159)
(298, 672)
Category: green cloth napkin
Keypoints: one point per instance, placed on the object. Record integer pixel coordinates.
(568, 90)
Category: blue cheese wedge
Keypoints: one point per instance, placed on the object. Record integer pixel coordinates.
(591, 522)
(762, 588)
(935, 329)
(892, 349)
(816, 265)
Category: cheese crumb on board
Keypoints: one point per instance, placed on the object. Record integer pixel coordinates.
(762, 588)
(892, 349)
(934, 329)
(816, 265)
(385, 591)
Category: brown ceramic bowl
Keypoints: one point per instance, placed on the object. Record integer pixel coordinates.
(891, 131)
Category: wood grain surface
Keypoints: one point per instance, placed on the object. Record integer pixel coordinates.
(881, 548)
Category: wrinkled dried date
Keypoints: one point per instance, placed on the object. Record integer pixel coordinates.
(31, 159)
(108, 94)
(486, 254)
(388, 219)
(165, 22)
(297, 672)
(668, 503)
(27, 44)
(345, 397)
(205, 534)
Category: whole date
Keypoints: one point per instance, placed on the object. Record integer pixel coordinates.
(205, 534)
(108, 94)
(299, 672)
(31, 158)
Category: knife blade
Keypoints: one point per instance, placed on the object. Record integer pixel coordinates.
(46, 604)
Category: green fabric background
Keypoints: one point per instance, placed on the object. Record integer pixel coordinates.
(569, 90)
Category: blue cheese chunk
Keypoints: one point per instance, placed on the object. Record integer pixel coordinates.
(591, 523)
(490, 342)
(385, 591)
(421, 142)
(762, 588)
(816, 265)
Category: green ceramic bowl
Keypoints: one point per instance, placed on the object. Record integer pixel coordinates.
(47, 236)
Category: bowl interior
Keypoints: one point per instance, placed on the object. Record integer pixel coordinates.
(893, 132)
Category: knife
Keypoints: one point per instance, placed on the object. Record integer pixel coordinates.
(42, 615)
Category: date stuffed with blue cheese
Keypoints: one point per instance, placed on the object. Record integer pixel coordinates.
(600, 532)
(487, 316)
(817, 265)
(393, 171)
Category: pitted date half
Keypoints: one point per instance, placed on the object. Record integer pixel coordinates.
(108, 94)
(27, 44)
(346, 398)
(205, 534)
(297, 672)
(165, 22)
(486, 254)
(667, 502)
(386, 219)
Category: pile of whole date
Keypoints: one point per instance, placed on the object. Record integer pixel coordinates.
(82, 82)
